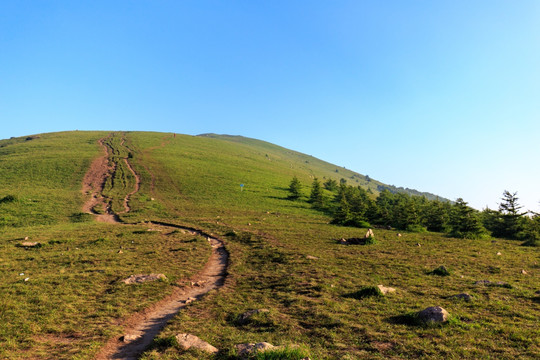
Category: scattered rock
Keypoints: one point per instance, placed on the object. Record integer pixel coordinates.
(523, 272)
(248, 349)
(417, 244)
(187, 341)
(120, 252)
(198, 283)
(462, 296)
(385, 290)
(490, 283)
(249, 224)
(130, 338)
(343, 241)
(433, 314)
(246, 317)
(482, 282)
(141, 278)
(398, 235)
(310, 257)
(189, 300)
(30, 244)
(369, 234)
(499, 253)
(26, 279)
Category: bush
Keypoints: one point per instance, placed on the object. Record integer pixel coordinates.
(366, 291)
(440, 271)
(416, 228)
(8, 199)
(370, 241)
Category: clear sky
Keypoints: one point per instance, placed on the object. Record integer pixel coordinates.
(440, 96)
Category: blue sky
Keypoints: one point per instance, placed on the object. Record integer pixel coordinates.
(440, 96)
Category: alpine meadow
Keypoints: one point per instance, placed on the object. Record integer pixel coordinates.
(147, 245)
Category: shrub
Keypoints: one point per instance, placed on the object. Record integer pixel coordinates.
(8, 199)
(370, 241)
(440, 271)
(416, 228)
(366, 291)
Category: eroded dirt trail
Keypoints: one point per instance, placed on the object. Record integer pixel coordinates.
(141, 328)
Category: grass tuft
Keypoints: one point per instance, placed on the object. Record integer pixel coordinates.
(366, 291)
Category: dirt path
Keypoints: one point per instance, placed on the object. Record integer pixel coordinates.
(141, 328)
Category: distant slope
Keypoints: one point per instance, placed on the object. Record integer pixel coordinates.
(198, 175)
(320, 168)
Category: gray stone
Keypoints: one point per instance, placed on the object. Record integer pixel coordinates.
(246, 317)
(251, 348)
(141, 278)
(462, 296)
(482, 282)
(188, 341)
(433, 314)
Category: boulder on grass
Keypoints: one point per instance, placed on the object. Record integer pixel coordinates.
(433, 314)
(251, 348)
(188, 341)
(385, 290)
(30, 244)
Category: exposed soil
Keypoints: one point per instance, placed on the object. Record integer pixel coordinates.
(141, 328)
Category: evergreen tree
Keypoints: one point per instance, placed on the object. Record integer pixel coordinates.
(295, 188)
(342, 215)
(331, 185)
(512, 220)
(436, 215)
(316, 198)
(464, 221)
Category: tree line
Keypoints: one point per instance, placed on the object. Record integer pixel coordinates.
(355, 206)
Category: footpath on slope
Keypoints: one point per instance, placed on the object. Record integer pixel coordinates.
(141, 328)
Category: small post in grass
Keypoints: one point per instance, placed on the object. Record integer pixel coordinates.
(241, 187)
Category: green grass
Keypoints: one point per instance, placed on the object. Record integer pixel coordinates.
(197, 182)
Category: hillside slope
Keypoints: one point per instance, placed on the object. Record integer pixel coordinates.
(65, 299)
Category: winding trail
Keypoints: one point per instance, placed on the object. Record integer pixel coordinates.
(141, 328)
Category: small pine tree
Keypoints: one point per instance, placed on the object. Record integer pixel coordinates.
(331, 185)
(512, 220)
(316, 197)
(295, 189)
(464, 221)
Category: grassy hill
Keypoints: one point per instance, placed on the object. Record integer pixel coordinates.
(284, 257)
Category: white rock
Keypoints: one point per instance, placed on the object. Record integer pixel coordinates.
(187, 341)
